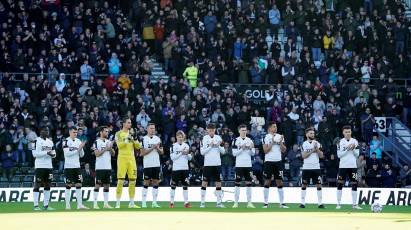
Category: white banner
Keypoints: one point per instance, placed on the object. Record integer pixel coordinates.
(385, 196)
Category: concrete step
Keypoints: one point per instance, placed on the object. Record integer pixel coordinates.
(157, 69)
(158, 73)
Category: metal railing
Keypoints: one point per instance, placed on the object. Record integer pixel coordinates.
(17, 75)
(397, 141)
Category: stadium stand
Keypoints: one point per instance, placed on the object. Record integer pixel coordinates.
(182, 64)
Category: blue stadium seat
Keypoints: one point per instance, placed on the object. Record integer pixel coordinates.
(28, 179)
(16, 178)
(15, 185)
(27, 184)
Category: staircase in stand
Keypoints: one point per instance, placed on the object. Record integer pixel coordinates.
(158, 73)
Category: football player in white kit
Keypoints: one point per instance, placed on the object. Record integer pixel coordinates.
(180, 155)
(73, 150)
(273, 146)
(43, 153)
(211, 149)
(311, 153)
(151, 152)
(103, 150)
(243, 150)
(348, 152)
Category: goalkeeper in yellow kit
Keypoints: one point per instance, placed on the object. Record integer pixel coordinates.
(126, 141)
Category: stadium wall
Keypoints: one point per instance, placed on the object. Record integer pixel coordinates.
(366, 196)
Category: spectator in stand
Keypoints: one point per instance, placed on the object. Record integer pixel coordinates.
(374, 177)
(227, 162)
(114, 65)
(331, 166)
(367, 124)
(295, 162)
(405, 176)
(257, 166)
(376, 147)
(191, 74)
(19, 142)
(86, 71)
(288, 73)
(143, 118)
(61, 83)
(274, 16)
(88, 176)
(388, 177)
(9, 159)
(372, 160)
(361, 170)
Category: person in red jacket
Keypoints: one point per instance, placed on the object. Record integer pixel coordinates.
(159, 36)
(110, 83)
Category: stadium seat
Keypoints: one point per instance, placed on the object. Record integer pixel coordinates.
(16, 179)
(15, 185)
(28, 179)
(4, 184)
(24, 169)
(27, 184)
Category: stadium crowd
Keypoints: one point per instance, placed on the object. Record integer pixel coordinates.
(324, 63)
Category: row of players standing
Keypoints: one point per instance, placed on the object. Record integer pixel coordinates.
(211, 148)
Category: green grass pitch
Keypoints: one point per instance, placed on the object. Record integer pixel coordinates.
(27, 207)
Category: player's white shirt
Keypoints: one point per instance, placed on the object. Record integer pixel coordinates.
(41, 147)
(243, 156)
(274, 155)
(211, 154)
(72, 153)
(103, 162)
(152, 159)
(348, 158)
(312, 161)
(180, 160)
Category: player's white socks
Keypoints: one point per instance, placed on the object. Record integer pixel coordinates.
(172, 193)
(144, 195)
(79, 198)
(219, 196)
(95, 196)
(266, 193)
(131, 203)
(339, 195)
(46, 198)
(237, 194)
(105, 194)
(36, 196)
(155, 193)
(320, 196)
(303, 193)
(67, 197)
(281, 195)
(203, 194)
(248, 194)
(354, 197)
(185, 195)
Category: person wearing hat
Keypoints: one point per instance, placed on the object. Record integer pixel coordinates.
(191, 73)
